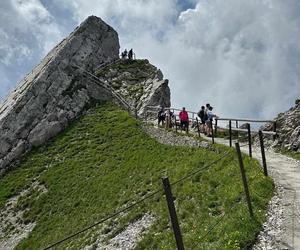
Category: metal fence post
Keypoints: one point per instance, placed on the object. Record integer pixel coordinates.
(244, 179)
(175, 124)
(263, 156)
(249, 139)
(216, 126)
(230, 134)
(172, 212)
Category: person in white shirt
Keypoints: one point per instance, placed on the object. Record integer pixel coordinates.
(210, 117)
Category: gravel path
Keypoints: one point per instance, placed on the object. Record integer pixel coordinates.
(170, 138)
(282, 230)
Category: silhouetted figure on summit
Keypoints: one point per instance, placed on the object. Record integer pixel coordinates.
(124, 54)
(130, 54)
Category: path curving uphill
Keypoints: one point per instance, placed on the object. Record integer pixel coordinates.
(282, 230)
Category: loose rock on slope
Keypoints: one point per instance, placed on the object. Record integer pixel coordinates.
(139, 83)
(288, 128)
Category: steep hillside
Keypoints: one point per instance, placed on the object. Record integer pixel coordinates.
(103, 162)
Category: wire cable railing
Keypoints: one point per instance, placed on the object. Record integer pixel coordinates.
(138, 202)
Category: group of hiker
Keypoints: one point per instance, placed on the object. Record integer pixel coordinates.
(127, 55)
(206, 116)
(166, 117)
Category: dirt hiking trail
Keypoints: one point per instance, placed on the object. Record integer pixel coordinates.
(286, 174)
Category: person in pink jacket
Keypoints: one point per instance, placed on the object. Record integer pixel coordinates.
(184, 119)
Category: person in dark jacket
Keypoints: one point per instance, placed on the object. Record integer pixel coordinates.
(161, 116)
(203, 118)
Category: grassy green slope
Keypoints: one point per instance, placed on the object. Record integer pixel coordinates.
(104, 161)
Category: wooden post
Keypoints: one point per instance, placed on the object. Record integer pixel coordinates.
(172, 212)
(230, 134)
(187, 127)
(249, 139)
(198, 128)
(212, 134)
(274, 129)
(244, 179)
(216, 126)
(175, 123)
(263, 156)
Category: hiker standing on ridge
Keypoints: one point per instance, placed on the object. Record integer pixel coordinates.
(130, 54)
(124, 54)
(209, 121)
(184, 119)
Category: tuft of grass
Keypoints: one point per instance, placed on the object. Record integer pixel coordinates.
(139, 67)
(104, 161)
(290, 153)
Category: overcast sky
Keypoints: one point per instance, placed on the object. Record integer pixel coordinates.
(241, 56)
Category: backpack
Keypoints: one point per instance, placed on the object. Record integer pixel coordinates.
(201, 114)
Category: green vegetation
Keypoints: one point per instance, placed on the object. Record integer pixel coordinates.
(141, 68)
(293, 154)
(104, 161)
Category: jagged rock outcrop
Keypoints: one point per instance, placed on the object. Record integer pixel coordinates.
(288, 128)
(60, 88)
(140, 83)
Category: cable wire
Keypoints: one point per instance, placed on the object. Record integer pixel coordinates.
(105, 219)
(222, 217)
(201, 169)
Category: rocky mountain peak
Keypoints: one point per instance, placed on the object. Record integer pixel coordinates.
(64, 84)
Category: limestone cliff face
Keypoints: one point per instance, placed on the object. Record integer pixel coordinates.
(288, 127)
(55, 91)
(61, 87)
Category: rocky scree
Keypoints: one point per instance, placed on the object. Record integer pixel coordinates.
(288, 128)
(140, 83)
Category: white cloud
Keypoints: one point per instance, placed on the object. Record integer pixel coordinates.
(27, 33)
(242, 56)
